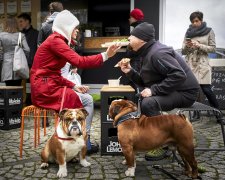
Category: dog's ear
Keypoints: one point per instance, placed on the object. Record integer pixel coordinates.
(61, 113)
(116, 110)
(132, 105)
(84, 111)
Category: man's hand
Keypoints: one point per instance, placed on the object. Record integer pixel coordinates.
(125, 67)
(146, 92)
(81, 89)
(124, 64)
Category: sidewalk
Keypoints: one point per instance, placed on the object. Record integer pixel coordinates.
(207, 134)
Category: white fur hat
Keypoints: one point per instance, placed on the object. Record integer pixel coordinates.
(64, 24)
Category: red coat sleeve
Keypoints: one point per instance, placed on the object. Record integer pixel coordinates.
(60, 48)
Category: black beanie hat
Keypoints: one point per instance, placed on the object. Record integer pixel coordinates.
(144, 31)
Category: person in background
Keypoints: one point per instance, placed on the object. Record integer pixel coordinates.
(86, 99)
(46, 29)
(31, 34)
(8, 41)
(47, 84)
(198, 42)
(136, 18)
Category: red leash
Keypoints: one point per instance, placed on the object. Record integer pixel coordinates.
(63, 96)
(61, 106)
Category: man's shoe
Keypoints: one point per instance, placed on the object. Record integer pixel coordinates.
(91, 148)
(158, 154)
(219, 121)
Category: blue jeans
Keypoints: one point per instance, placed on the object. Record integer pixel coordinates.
(87, 101)
(207, 90)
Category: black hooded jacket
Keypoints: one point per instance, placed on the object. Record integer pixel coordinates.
(163, 70)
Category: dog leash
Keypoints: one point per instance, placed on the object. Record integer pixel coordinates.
(61, 107)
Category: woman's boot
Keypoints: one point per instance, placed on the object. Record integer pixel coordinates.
(91, 148)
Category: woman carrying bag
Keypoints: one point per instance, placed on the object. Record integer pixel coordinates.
(9, 40)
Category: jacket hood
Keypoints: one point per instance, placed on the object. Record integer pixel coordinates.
(52, 17)
(64, 24)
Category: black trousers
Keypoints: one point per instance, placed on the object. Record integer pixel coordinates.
(151, 106)
(207, 90)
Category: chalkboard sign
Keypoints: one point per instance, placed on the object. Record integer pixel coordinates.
(218, 86)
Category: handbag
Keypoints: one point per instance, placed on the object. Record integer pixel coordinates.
(20, 65)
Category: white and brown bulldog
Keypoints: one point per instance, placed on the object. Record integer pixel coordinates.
(68, 141)
(147, 133)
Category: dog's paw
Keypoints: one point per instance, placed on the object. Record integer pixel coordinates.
(84, 163)
(62, 173)
(124, 162)
(44, 165)
(130, 172)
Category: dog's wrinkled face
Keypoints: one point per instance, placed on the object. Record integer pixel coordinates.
(72, 121)
(121, 107)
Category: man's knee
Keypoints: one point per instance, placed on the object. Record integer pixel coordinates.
(89, 98)
(149, 107)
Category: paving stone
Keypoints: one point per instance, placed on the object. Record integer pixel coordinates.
(113, 176)
(81, 175)
(52, 175)
(96, 176)
(38, 175)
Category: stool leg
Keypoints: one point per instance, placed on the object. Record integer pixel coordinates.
(38, 127)
(45, 114)
(21, 135)
(35, 128)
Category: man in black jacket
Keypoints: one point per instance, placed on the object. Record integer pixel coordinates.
(31, 34)
(136, 18)
(46, 29)
(165, 80)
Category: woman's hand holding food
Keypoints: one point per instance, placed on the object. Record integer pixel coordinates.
(112, 50)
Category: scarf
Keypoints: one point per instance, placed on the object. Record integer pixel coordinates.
(143, 50)
(197, 31)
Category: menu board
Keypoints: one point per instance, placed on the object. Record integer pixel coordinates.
(218, 86)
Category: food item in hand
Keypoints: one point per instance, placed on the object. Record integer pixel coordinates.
(121, 40)
(123, 61)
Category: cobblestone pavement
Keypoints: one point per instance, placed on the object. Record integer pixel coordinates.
(207, 134)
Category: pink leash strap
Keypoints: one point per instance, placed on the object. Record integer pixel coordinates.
(63, 96)
(61, 106)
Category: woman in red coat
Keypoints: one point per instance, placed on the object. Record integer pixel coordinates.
(46, 81)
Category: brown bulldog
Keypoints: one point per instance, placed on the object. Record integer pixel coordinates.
(68, 141)
(147, 133)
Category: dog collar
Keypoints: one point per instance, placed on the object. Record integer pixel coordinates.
(131, 115)
(64, 139)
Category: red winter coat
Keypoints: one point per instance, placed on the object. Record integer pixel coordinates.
(45, 77)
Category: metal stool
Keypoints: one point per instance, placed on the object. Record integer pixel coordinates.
(217, 113)
(36, 113)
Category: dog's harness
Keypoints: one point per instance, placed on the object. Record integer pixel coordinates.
(131, 115)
